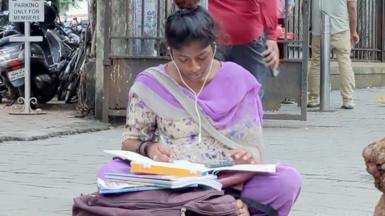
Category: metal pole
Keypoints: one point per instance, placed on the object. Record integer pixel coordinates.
(382, 30)
(305, 55)
(27, 68)
(325, 86)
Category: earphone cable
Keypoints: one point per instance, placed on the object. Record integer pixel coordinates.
(196, 95)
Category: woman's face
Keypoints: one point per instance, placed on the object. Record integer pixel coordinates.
(193, 60)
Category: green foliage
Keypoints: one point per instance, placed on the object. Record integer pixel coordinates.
(64, 5)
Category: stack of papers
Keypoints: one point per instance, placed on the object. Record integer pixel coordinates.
(125, 182)
(147, 174)
(110, 186)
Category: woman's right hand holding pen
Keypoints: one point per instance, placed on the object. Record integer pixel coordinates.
(159, 152)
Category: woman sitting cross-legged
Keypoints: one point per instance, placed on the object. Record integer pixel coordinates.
(159, 127)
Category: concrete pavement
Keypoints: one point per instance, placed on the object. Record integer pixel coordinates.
(327, 150)
(41, 177)
(59, 120)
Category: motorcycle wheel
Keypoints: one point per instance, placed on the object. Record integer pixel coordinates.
(61, 91)
(9, 92)
(12, 93)
(70, 92)
(43, 95)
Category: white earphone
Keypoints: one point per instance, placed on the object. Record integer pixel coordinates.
(196, 95)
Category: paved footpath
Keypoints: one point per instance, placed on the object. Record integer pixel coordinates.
(41, 177)
(59, 120)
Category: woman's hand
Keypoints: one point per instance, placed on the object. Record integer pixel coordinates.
(159, 152)
(241, 156)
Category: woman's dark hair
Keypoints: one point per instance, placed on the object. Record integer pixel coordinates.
(188, 25)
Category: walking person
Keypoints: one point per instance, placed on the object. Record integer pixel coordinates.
(343, 16)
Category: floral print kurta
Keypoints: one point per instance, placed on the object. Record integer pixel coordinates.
(179, 134)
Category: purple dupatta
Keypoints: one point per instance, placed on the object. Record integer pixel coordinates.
(230, 100)
(221, 97)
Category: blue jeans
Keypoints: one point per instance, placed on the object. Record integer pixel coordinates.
(250, 57)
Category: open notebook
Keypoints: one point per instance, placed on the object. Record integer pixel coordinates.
(141, 164)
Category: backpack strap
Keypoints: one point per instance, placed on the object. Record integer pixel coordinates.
(253, 205)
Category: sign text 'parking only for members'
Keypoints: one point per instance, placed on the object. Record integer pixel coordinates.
(26, 10)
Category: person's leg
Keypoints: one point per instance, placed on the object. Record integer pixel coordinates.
(250, 57)
(314, 73)
(342, 46)
(279, 190)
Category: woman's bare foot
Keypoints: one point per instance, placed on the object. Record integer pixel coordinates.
(243, 210)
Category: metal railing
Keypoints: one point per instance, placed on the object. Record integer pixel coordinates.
(145, 37)
(371, 29)
(293, 24)
(143, 34)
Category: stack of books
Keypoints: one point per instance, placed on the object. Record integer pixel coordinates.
(126, 182)
(147, 174)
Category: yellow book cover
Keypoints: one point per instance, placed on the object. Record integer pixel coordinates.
(137, 167)
(141, 164)
(182, 168)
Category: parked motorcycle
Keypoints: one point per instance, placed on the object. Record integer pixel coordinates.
(53, 62)
(46, 65)
(70, 77)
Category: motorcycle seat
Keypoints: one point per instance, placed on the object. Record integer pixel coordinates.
(5, 40)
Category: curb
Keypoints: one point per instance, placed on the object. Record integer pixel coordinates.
(53, 134)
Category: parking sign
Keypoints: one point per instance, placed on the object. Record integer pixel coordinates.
(26, 10)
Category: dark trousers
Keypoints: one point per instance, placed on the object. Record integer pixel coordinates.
(250, 57)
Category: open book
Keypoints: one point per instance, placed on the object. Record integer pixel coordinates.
(141, 164)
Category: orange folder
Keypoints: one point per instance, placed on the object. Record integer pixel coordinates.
(137, 167)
